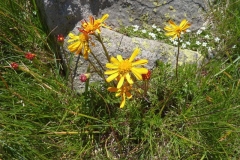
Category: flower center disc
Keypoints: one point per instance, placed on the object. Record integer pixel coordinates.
(125, 66)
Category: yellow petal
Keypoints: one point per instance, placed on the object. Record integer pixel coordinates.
(73, 47)
(71, 35)
(114, 60)
(119, 57)
(120, 82)
(141, 61)
(130, 81)
(129, 95)
(85, 53)
(171, 23)
(136, 74)
(111, 71)
(112, 77)
(183, 23)
(111, 66)
(79, 49)
(169, 29)
(172, 34)
(134, 54)
(123, 101)
(112, 89)
(140, 70)
(118, 94)
(104, 17)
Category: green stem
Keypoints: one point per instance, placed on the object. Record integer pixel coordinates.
(95, 68)
(99, 63)
(178, 52)
(104, 48)
(87, 82)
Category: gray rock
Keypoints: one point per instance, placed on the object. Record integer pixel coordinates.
(62, 15)
(117, 43)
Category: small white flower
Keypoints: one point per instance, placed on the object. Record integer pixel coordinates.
(198, 43)
(199, 31)
(217, 39)
(204, 44)
(154, 26)
(158, 29)
(203, 28)
(188, 43)
(234, 46)
(135, 29)
(209, 49)
(152, 35)
(175, 42)
(144, 31)
(207, 36)
(171, 39)
(188, 30)
(135, 26)
(184, 45)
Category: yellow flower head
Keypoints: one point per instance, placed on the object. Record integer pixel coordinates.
(93, 25)
(122, 68)
(78, 43)
(174, 30)
(123, 92)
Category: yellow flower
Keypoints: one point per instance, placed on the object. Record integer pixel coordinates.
(123, 92)
(80, 42)
(175, 30)
(122, 68)
(93, 25)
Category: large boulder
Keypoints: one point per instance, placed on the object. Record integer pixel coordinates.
(61, 16)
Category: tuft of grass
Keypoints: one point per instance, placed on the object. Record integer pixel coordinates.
(197, 117)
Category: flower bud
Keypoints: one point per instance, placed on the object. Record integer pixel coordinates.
(14, 65)
(84, 77)
(146, 76)
(30, 55)
(60, 39)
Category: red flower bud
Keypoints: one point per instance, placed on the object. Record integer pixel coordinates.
(60, 39)
(14, 65)
(30, 55)
(146, 76)
(84, 77)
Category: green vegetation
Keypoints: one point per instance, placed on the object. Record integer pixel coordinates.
(196, 117)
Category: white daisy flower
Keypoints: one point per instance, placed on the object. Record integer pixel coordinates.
(154, 26)
(199, 32)
(152, 35)
(135, 29)
(204, 44)
(188, 43)
(207, 36)
(198, 43)
(175, 42)
(144, 31)
(217, 39)
(171, 39)
(158, 29)
(135, 26)
(184, 45)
